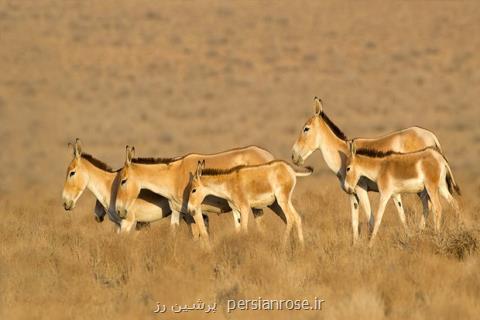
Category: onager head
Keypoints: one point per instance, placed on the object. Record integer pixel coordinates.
(76, 179)
(129, 187)
(309, 139)
(197, 189)
(352, 174)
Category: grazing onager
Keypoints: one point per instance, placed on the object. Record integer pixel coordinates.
(171, 178)
(425, 171)
(320, 133)
(246, 187)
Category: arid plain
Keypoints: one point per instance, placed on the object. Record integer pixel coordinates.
(174, 77)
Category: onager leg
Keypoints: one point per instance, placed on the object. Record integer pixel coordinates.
(426, 208)
(245, 212)
(236, 219)
(281, 209)
(175, 219)
(258, 215)
(298, 222)
(397, 199)
(198, 217)
(381, 209)
(436, 206)
(362, 195)
(189, 220)
(450, 199)
(354, 207)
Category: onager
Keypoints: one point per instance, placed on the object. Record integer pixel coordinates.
(425, 171)
(171, 178)
(87, 172)
(246, 187)
(320, 133)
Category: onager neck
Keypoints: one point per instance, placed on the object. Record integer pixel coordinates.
(100, 183)
(334, 149)
(216, 185)
(159, 178)
(368, 167)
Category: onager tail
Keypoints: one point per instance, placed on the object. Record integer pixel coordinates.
(304, 173)
(437, 144)
(452, 185)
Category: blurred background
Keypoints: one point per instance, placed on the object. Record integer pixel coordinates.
(173, 77)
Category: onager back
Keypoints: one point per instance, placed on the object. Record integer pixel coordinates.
(425, 172)
(246, 187)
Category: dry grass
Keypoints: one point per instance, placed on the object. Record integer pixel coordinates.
(176, 77)
(60, 265)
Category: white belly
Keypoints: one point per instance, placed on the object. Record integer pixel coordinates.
(149, 213)
(262, 201)
(409, 186)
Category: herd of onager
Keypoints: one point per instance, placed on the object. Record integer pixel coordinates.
(245, 180)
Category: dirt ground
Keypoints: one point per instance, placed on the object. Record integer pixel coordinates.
(173, 77)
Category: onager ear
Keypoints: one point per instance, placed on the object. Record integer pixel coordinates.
(198, 171)
(77, 148)
(129, 153)
(200, 167)
(318, 108)
(352, 147)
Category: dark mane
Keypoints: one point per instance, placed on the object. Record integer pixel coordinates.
(97, 163)
(218, 172)
(153, 160)
(375, 153)
(382, 154)
(336, 130)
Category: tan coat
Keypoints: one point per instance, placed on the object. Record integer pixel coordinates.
(245, 187)
(87, 172)
(320, 133)
(172, 177)
(425, 172)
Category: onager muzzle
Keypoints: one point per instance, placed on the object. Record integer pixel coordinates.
(122, 213)
(68, 205)
(348, 189)
(296, 158)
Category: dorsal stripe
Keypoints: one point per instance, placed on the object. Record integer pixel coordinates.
(372, 153)
(154, 160)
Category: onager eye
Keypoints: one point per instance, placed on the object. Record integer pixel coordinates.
(194, 190)
(306, 129)
(72, 174)
(348, 169)
(123, 182)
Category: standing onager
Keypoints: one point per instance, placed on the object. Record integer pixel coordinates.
(171, 178)
(425, 171)
(246, 187)
(319, 132)
(85, 171)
